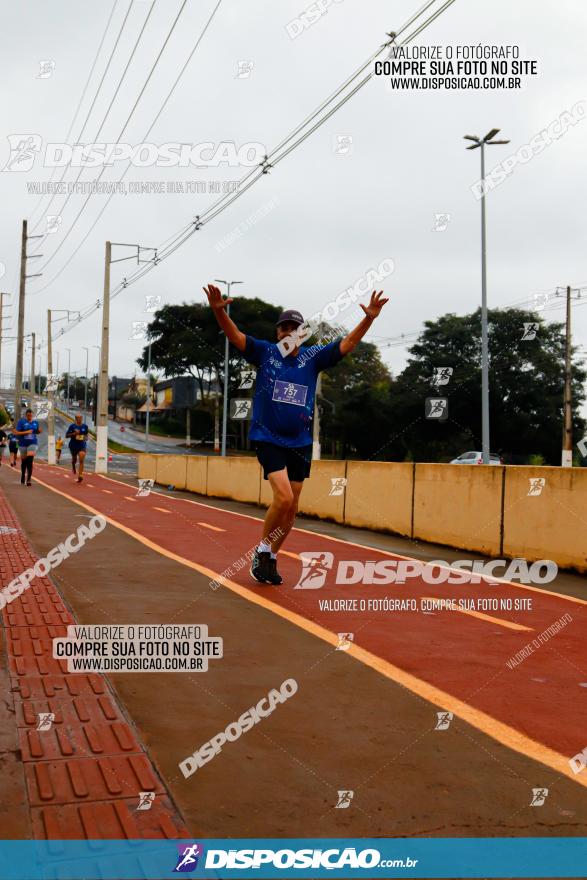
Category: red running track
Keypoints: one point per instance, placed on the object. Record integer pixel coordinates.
(544, 698)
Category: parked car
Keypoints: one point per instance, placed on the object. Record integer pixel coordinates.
(477, 458)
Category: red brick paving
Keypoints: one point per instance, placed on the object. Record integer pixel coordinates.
(83, 775)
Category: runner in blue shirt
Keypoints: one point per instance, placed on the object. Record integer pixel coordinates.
(3, 442)
(283, 408)
(12, 447)
(27, 430)
(78, 440)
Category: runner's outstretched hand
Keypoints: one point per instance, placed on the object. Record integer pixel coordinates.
(215, 299)
(375, 305)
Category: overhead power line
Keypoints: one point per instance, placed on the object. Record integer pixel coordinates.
(97, 92)
(80, 102)
(293, 140)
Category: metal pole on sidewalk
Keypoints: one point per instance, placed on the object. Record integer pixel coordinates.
(148, 399)
(51, 458)
(20, 330)
(567, 453)
(226, 355)
(101, 466)
(87, 350)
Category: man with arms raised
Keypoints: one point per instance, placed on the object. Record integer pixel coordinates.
(283, 408)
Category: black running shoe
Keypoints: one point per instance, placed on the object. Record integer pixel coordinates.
(274, 576)
(261, 567)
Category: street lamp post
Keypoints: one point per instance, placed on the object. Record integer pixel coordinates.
(485, 441)
(87, 351)
(148, 410)
(226, 352)
(95, 401)
(68, 350)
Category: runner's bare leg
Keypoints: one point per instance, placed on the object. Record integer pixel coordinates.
(291, 516)
(278, 512)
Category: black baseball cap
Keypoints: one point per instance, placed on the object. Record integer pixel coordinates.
(290, 315)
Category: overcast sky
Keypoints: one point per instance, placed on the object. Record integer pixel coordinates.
(329, 217)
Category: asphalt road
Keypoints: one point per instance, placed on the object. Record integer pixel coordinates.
(120, 463)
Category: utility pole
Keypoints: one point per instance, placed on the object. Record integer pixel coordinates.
(32, 379)
(316, 448)
(86, 380)
(20, 327)
(2, 295)
(101, 466)
(226, 353)
(68, 350)
(20, 330)
(567, 453)
(50, 380)
(148, 409)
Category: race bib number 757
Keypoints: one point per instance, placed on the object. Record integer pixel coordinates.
(290, 392)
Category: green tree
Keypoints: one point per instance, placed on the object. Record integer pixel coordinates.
(186, 340)
(355, 416)
(525, 389)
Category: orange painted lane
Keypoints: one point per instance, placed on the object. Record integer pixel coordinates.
(542, 695)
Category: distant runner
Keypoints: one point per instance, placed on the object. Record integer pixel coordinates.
(3, 442)
(283, 409)
(58, 447)
(12, 447)
(27, 430)
(78, 439)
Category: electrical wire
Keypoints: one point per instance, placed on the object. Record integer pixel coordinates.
(129, 117)
(276, 155)
(98, 90)
(80, 102)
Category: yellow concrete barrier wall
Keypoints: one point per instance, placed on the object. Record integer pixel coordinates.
(316, 498)
(172, 470)
(455, 505)
(551, 523)
(197, 474)
(322, 495)
(147, 466)
(459, 505)
(379, 496)
(238, 478)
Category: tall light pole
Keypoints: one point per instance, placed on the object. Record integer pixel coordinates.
(2, 295)
(148, 411)
(485, 443)
(95, 401)
(20, 325)
(68, 350)
(226, 352)
(51, 387)
(101, 464)
(87, 351)
(32, 379)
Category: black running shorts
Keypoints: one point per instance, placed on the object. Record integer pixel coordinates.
(297, 459)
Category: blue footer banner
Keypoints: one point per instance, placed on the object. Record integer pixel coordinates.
(297, 857)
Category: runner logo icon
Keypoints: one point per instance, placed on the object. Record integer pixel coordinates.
(187, 860)
(315, 567)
